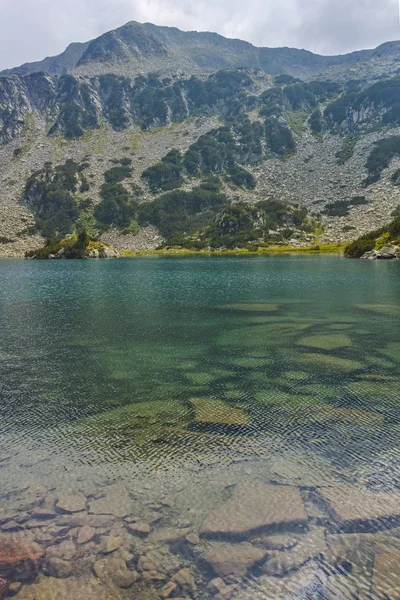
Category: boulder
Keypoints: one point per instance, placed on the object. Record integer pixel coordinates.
(139, 529)
(254, 508)
(59, 568)
(233, 560)
(125, 579)
(184, 579)
(20, 560)
(86, 534)
(109, 544)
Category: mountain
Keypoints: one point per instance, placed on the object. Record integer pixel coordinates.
(141, 48)
(153, 136)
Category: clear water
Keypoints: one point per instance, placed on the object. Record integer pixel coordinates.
(183, 379)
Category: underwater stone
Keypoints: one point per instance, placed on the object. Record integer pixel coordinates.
(20, 560)
(256, 507)
(360, 509)
(233, 560)
(386, 576)
(71, 503)
(212, 411)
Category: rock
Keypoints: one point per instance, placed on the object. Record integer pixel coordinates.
(359, 509)
(139, 529)
(4, 587)
(11, 526)
(115, 502)
(339, 587)
(86, 534)
(14, 588)
(59, 568)
(110, 544)
(20, 560)
(71, 503)
(168, 535)
(167, 590)
(184, 579)
(66, 551)
(392, 594)
(277, 542)
(213, 411)
(106, 568)
(311, 546)
(43, 513)
(216, 585)
(126, 579)
(96, 521)
(153, 576)
(145, 563)
(193, 539)
(386, 574)
(227, 592)
(154, 518)
(233, 559)
(254, 508)
(51, 588)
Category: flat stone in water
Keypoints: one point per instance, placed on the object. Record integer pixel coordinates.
(218, 412)
(20, 560)
(71, 503)
(115, 502)
(386, 576)
(255, 507)
(327, 362)
(49, 588)
(359, 508)
(251, 307)
(233, 559)
(326, 342)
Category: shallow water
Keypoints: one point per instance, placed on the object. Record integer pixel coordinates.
(168, 385)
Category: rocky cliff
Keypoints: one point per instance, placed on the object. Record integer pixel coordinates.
(330, 145)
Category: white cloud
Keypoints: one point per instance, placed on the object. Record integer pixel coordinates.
(33, 29)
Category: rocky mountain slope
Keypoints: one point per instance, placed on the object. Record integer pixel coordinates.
(133, 155)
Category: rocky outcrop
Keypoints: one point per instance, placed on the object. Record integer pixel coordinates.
(386, 253)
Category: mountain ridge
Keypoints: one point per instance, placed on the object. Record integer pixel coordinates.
(140, 48)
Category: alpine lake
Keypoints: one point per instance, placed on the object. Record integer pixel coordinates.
(199, 428)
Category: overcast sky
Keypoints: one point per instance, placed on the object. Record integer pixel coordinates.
(33, 29)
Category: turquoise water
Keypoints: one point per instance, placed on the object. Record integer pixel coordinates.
(164, 374)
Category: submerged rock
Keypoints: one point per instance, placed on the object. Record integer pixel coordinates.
(311, 546)
(211, 411)
(20, 560)
(71, 503)
(360, 509)
(255, 507)
(116, 501)
(233, 560)
(4, 587)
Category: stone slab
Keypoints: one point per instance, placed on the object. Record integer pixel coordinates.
(256, 507)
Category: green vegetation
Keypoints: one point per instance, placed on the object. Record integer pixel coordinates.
(380, 157)
(341, 208)
(117, 207)
(220, 225)
(51, 195)
(315, 121)
(347, 150)
(167, 174)
(375, 240)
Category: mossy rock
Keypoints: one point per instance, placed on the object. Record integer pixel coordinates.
(329, 363)
(392, 351)
(380, 391)
(251, 307)
(210, 411)
(250, 362)
(321, 390)
(296, 375)
(326, 342)
(382, 309)
(330, 415)
(285, 399)
(201, 378)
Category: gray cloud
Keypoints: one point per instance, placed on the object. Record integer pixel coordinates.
(33, 29)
